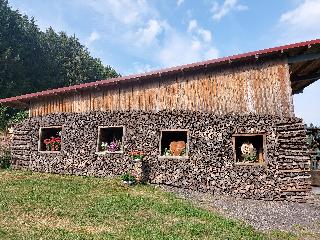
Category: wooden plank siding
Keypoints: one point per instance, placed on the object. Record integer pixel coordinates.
(262, 88)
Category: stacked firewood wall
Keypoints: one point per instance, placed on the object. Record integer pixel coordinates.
(21, 147)
(293, 158)
(210, 165)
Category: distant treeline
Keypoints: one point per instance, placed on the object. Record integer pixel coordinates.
(32, 60)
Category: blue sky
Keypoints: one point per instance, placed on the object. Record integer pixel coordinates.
(139, 35)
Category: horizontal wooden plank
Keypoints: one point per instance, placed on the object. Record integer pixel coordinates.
(262, 88)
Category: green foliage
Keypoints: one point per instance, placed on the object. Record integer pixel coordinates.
(128, 178)
(311, 126)
(3, 117)
(313, 138)
(183, 152)
(251, 157)
(167, 152)
(18, 117)
(32, 60)
(9, 116)
(5, 160)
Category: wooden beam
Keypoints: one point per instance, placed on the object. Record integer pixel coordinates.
(308, 77)
(17, 104)
(299, 89)
(304, 58)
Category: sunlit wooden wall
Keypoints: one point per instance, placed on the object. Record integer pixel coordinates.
(256, 88)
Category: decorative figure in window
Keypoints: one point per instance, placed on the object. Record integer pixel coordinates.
(178, 148)
(249, 153)
(174, 143)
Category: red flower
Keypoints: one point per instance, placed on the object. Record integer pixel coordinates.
(47, 141)
(136, 153)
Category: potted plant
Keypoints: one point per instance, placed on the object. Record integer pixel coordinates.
(249, 153)
(128, 179)
(113, 146)
(137, 155)
(53, 144)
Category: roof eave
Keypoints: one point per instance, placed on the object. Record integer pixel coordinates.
(278, 52)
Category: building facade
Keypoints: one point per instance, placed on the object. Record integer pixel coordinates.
(225, 126)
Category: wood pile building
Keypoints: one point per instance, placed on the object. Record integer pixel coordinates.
(226, 125)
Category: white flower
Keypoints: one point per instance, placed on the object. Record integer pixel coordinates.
(247, 148)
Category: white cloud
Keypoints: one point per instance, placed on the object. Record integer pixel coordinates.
(221, 10)
(94, 36)
(193, 24)
(212, 53)
(301, 23)
(205, 34)
(128, 12)
(195, 45)
(147, 35)
(141, 67)
(199, 31)
(141, 32)
(182, 48)
(177, 50)
(179, 2)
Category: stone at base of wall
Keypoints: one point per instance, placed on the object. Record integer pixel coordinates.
(210, 165)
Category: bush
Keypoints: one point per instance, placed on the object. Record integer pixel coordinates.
(128, 178)
(5, 160)
(10, 116)
(3, 117)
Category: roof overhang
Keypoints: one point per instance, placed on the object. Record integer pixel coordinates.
(304, 68)
(303, 59)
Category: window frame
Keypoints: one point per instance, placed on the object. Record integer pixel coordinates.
(187, 144)
(264, 147)
(99, 142)
(40, 137)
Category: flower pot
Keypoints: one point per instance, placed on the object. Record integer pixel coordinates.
(128, 182)
(137, 160)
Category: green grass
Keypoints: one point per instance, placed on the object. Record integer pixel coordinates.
(47, 206)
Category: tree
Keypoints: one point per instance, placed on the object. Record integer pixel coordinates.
(32, 60)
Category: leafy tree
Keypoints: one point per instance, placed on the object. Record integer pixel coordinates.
(3, 117)
(32, 60)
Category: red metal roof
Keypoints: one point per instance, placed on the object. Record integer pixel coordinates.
(188, 67)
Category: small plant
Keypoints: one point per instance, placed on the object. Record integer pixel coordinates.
(53, 144)
(167, 152)
(5, 160)
(113, 146)
(137, 155)
(128, 178)
(249, 153)
(313, 137)
(183, 152)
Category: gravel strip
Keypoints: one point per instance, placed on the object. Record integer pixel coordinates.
(262, 215)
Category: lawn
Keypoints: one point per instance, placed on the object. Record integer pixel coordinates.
(47, 206)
